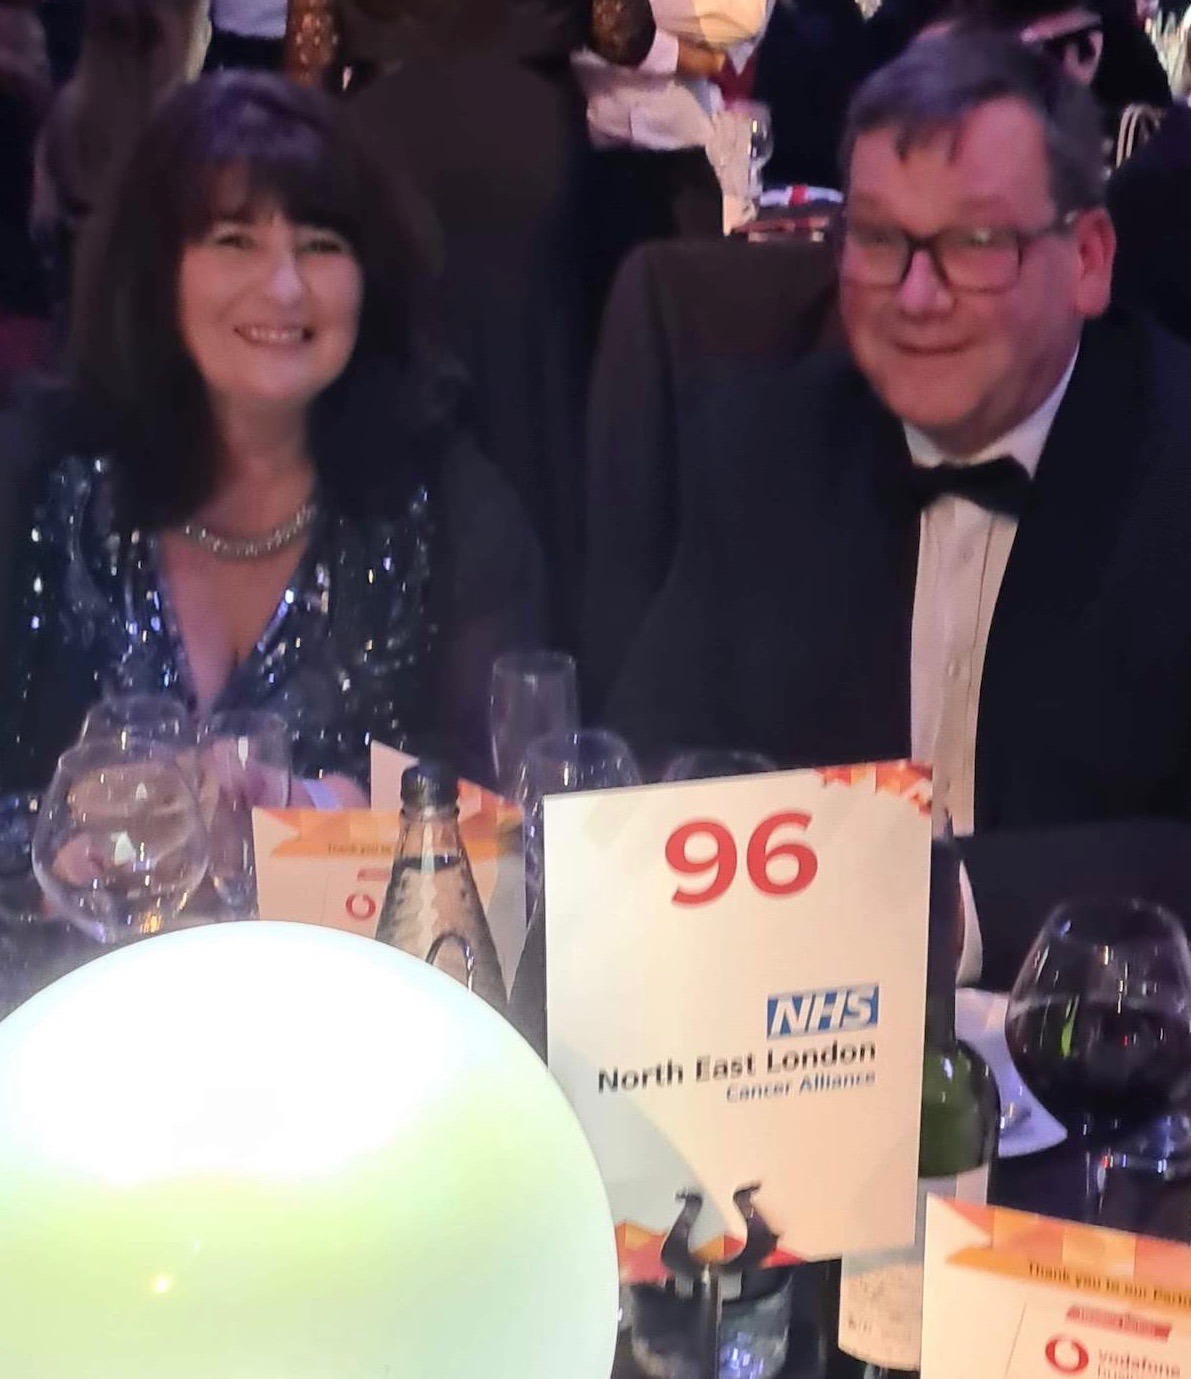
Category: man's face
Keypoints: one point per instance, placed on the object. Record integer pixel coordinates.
(966, 366)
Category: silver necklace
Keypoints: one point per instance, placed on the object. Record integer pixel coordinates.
(252, 547)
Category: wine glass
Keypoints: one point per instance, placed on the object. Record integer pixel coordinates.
(1099, 1023)
(713, 763)
(533, 693)
(119, 845)
(154, 717)
(563, 763)
(760, 133)
(246, 753)
(157, 718)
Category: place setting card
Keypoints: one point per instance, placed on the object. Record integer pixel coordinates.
(735, 999)
(332, 867)
(1011, 1295)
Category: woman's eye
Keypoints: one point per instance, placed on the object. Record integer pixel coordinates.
(232, 239)
(324, 244)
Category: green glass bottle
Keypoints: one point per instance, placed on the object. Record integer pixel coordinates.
(880, 1305)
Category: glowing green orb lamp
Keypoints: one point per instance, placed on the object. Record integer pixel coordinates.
(272, 1151)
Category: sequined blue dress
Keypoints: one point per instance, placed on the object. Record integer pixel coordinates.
(386, 630)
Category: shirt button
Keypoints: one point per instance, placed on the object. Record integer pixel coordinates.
(954, 666)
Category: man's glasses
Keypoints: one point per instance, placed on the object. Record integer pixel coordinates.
(976, 259)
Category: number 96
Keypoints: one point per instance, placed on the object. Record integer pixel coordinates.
(720, 863)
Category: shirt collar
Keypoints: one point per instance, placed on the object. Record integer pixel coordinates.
(1024, 442)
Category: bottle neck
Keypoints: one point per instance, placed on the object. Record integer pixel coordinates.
(945, 927)
(430, 831)
(940, 1018)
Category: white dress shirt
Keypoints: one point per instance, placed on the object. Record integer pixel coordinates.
(962, 553)
(649, 106)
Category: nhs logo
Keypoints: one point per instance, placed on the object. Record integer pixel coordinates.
(834, 1010)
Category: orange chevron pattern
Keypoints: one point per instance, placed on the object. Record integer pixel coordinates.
(904, 779)
(639, 1251)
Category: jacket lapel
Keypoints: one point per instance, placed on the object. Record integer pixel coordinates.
(1089, 471)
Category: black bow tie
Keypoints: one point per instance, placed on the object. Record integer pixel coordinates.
(1001, 485)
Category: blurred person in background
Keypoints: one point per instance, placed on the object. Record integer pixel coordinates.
(479, 98)
(24, 95)
(248, 34)
(134, 53)
(1102, 46)
(254, 492)
(63, 24)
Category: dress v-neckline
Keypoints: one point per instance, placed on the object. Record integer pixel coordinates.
(260, 647)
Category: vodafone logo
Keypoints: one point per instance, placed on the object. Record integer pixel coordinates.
(1066, 1355)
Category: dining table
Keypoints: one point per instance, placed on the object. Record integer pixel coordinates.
(1017, 879)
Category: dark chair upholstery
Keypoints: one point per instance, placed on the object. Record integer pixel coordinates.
(498, 151)
(675, 309)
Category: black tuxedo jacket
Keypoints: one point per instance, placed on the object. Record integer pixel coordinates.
(784, 624)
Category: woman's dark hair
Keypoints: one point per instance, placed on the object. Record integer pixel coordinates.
(264, 141)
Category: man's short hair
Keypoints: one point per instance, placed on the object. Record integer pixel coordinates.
(938, 81)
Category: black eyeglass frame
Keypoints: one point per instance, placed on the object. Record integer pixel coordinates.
(1023, 240)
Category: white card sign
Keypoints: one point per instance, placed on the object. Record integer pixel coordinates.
(1011, 1295)
(735, 990)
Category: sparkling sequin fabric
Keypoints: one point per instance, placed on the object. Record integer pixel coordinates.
(343, 657)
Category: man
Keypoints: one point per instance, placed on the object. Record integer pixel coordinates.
(853, 579)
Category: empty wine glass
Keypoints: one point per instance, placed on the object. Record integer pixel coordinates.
(119, 845)
(564, 763)
(246, 754)
(155, 717)
(1099, 1022)
(760, 139)
(159, 718)
(533, 693)
(712, 763)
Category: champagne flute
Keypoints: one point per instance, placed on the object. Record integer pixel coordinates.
(1099, 1023)
(119, 844)
(246, 753)
(533, 693)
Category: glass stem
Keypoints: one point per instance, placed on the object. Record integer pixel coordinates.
(1094, 1177)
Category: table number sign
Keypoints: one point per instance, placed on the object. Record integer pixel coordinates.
(1010, 1295)
(735, 987)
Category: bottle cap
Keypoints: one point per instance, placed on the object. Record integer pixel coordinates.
(429, 785)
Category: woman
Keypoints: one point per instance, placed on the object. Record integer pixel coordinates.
(134, 53)
(262, 498)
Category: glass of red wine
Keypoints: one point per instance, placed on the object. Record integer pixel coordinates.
(1099, 1025)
